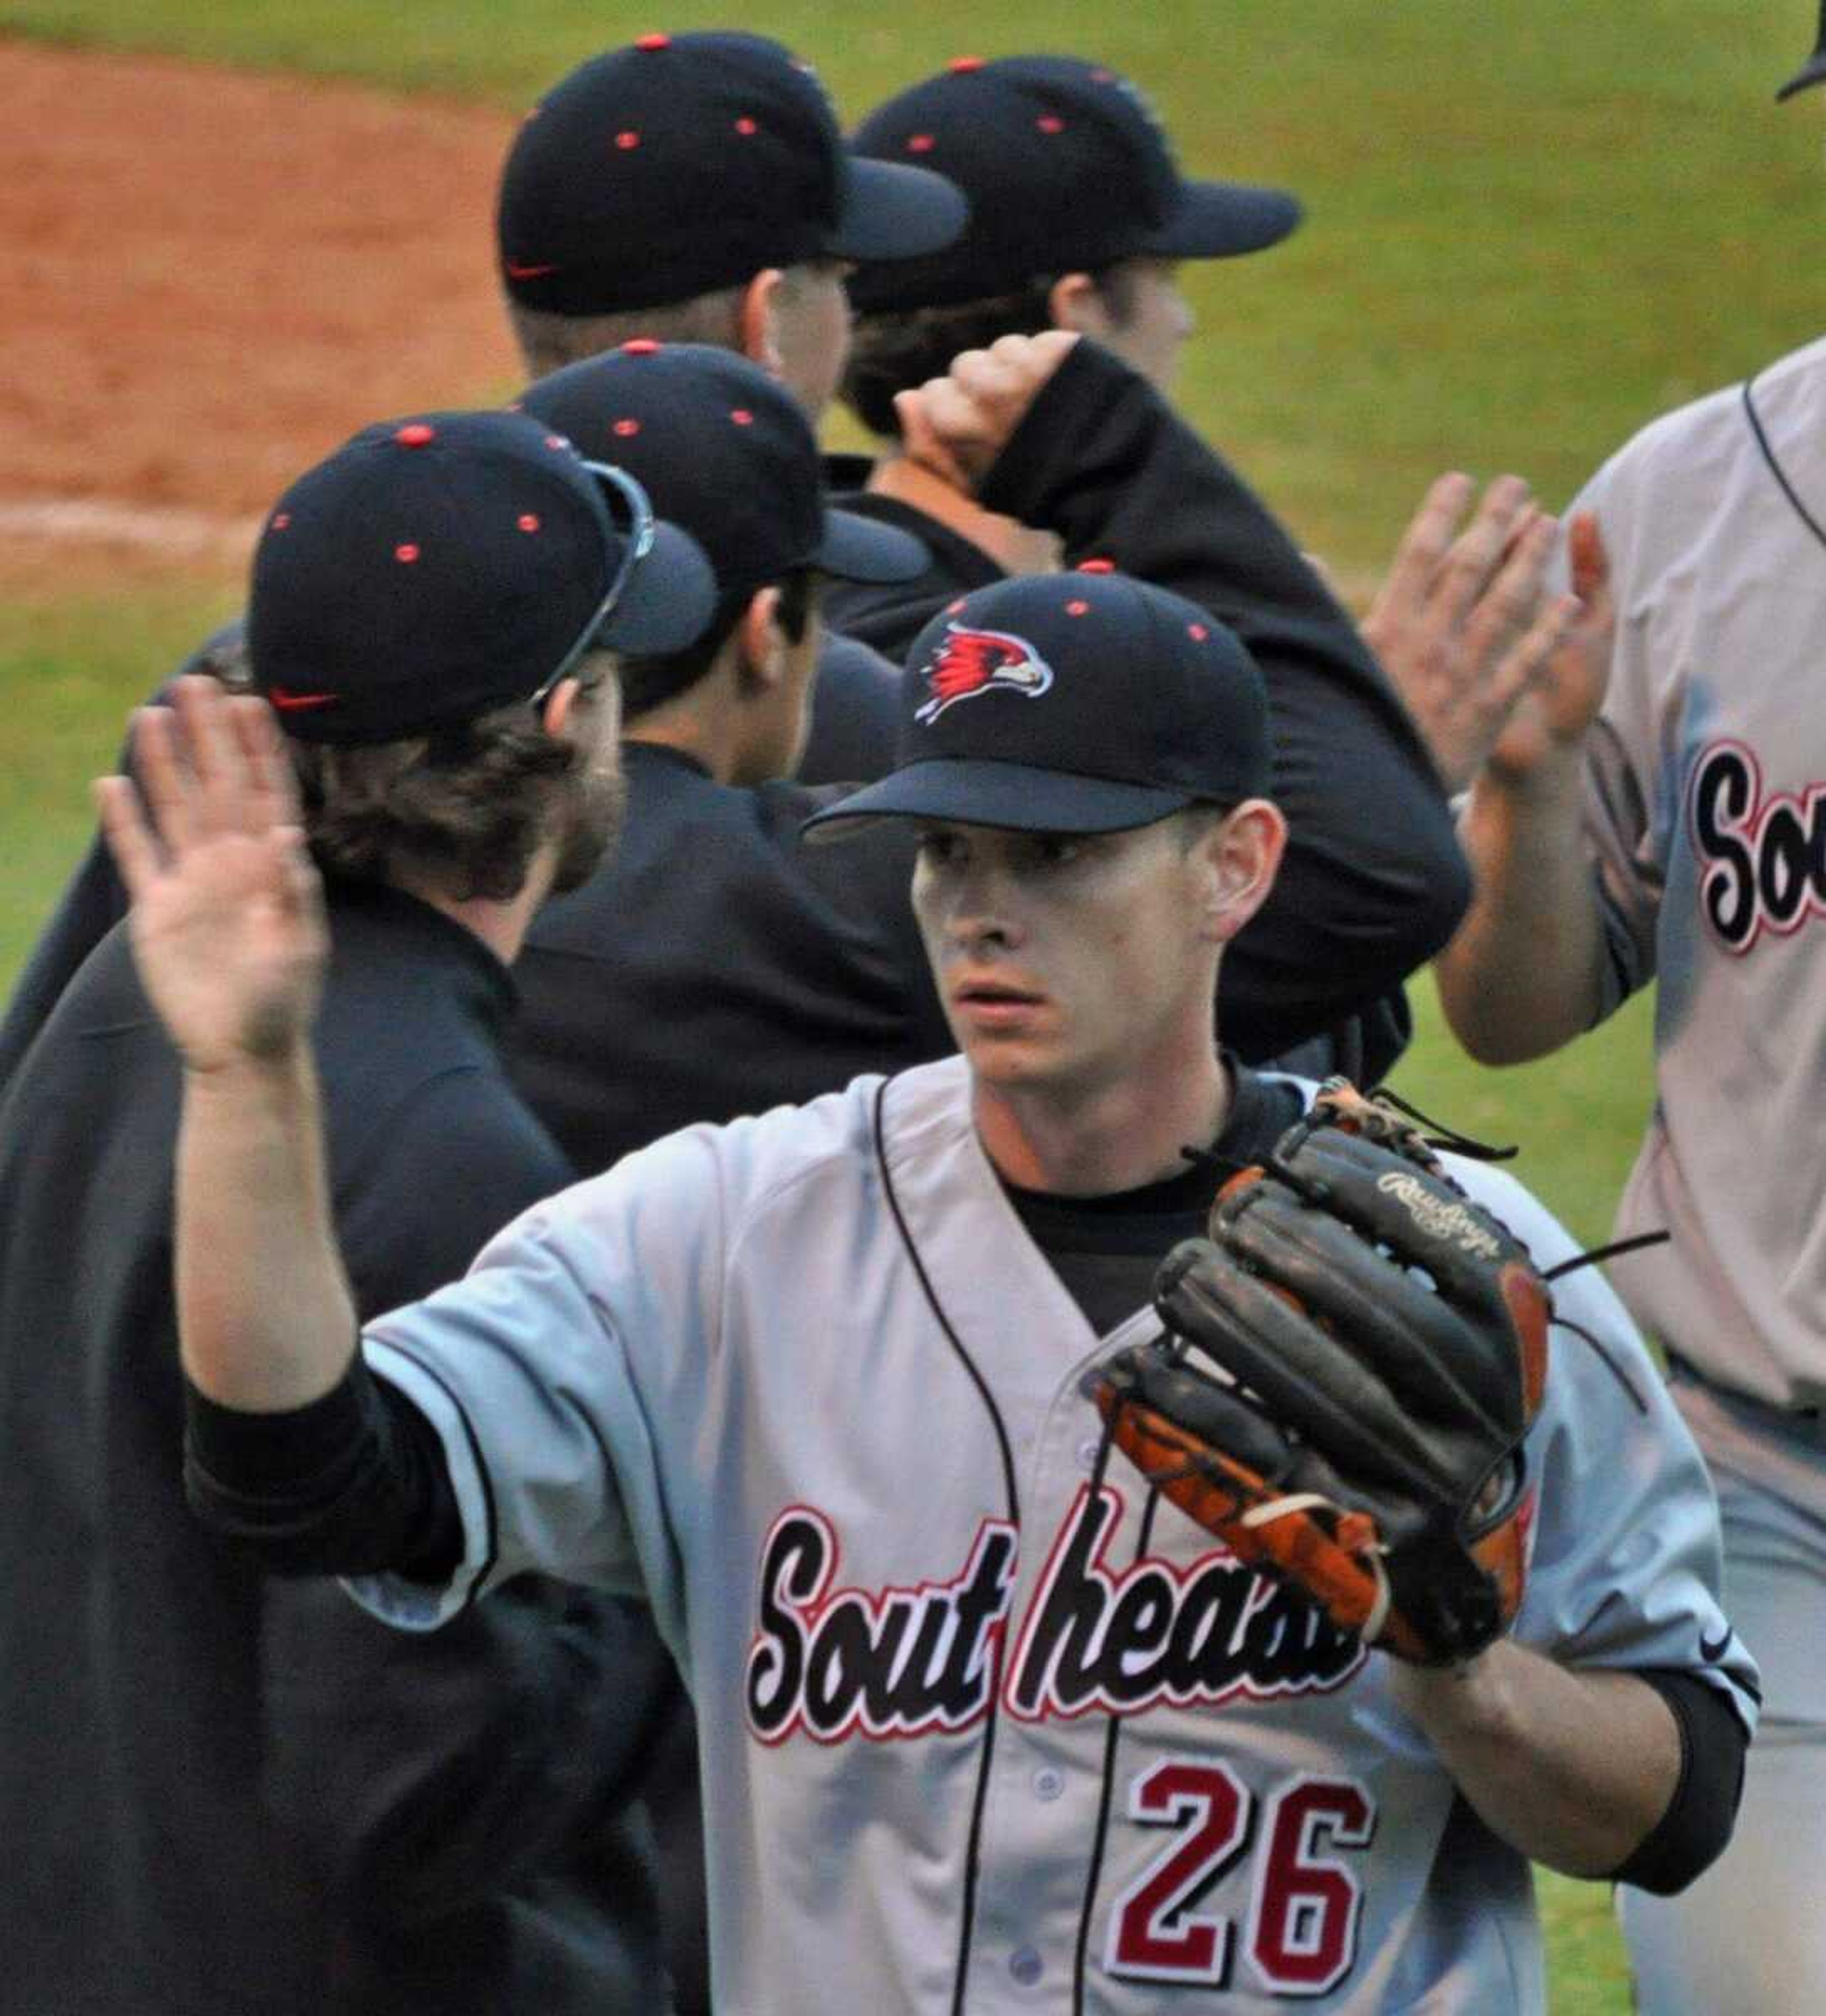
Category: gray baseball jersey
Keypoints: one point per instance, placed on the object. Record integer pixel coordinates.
(984, 1725)
(1707, 806)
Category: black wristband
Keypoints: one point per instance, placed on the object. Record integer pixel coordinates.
(353, 1483)
(1692, 1833)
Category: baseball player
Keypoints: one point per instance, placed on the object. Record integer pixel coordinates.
(222, 1795)
(1655, 813)
(988, 1725)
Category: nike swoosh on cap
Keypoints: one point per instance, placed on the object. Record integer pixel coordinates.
(288, 702)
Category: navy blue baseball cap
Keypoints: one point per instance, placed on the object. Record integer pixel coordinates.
(683, 164)
(725, 450)
(1087, 702)
(1067, 169)
(436, 567)
(1813, 69)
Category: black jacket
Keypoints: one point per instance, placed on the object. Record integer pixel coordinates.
(225, 1796)
(714, 966)
(1374, 882)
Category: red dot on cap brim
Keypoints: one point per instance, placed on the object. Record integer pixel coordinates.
(1197, 632)
(746, 127)
(1077, 609)
(640, 345)
(1096, 566)
(919, 143)
(742, 416)
(627, 142)
(415, 434)
(626, 429)
(529, 521)
(405, 553)
(962, 66)
(1050, 122)
(649, 43)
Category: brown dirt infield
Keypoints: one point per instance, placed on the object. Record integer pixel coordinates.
(216, 277)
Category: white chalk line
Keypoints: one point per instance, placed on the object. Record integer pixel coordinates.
(96, 521)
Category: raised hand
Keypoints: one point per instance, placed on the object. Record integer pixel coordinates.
(1567, 690)
(956, 426)
(1464, 623)
(227, 920)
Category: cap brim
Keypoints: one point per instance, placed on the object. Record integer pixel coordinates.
(1014, 796)
(857, 548)
(1813, 71)
(1221, 220)
(894, 211)
(669, 600)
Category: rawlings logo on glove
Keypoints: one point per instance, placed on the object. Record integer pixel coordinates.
(1353, 1359)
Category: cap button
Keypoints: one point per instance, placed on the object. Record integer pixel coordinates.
(1096, 566)
(962, 66)
(640, 345)
(651, 42)
(415, 433)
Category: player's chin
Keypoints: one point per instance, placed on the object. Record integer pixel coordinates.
(1008, 1056)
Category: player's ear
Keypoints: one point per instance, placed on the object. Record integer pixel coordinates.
(763, 642)
(1239, 856)
(758, 322)
(1077, 303)
(560, 707)
(574, 707)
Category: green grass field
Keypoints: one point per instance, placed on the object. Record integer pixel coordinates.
(1532, 225)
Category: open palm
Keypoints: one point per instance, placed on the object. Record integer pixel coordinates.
(227, 922)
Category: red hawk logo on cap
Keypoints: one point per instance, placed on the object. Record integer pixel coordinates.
(970, 662)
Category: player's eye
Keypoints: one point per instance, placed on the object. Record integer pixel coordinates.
(1057, 850)
(938, 849)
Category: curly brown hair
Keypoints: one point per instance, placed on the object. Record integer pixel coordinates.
(465, 810)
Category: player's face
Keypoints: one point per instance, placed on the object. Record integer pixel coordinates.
(1068, 964)
(1150, 335)
(811, 330)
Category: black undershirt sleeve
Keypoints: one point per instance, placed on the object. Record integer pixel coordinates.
(353, 1484)
(1693, 1831)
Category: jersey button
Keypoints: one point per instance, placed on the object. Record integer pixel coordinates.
(1026, 1966)
(1048, 1785)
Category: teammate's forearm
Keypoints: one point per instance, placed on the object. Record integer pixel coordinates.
(265, 1316)
(1524, 972)
(1572, 1766)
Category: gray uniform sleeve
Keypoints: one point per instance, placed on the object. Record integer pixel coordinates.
(540, 1372)
(1626, 1562)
